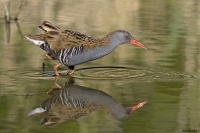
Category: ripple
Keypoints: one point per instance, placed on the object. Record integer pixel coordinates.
(112, 72)
(109, 73)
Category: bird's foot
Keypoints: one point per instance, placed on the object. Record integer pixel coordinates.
(51, 90)
(70, 72)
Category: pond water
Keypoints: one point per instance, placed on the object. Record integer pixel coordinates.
(167, 75)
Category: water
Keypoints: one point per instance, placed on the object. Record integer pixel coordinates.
(167, 75)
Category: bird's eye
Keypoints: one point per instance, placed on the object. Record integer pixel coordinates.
(127, 37)
(128, 112)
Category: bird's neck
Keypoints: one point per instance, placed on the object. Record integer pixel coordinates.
(119, 110)
(112, 39)
(110, 42)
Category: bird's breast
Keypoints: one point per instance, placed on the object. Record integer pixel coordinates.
(86, 55)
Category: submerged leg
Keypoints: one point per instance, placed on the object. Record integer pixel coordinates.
(55, 69)
(49, 91)
(56, 82)
(71, 70)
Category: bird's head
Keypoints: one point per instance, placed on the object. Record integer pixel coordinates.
(126, 38)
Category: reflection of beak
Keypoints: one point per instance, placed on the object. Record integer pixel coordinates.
(133, 41)
(139, 105)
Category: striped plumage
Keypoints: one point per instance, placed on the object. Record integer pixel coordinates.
(72, 48)
(73, 101)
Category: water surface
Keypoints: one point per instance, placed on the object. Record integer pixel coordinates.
(167, 75)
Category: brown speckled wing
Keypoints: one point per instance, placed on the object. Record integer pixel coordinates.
(67, 39)
(64, 112)
(60, 39)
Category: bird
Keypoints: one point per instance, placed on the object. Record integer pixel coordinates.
(73, 101)
(73, 48)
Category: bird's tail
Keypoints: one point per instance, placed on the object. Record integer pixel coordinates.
(37, 39)
(46, 26)
(50, 32)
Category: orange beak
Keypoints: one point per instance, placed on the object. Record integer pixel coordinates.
(139, 105)
(138, 44)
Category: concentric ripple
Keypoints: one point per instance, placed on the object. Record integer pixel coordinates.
(111, 72)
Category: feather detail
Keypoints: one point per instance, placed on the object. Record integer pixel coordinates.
(37, 39)
(60, 39)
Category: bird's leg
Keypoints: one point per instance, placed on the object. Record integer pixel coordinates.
(56, 82)
(50, 57)
(71, 70)
(55, 69)
(53, 89)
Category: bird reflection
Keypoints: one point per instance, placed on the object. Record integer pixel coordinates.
(73, 101)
